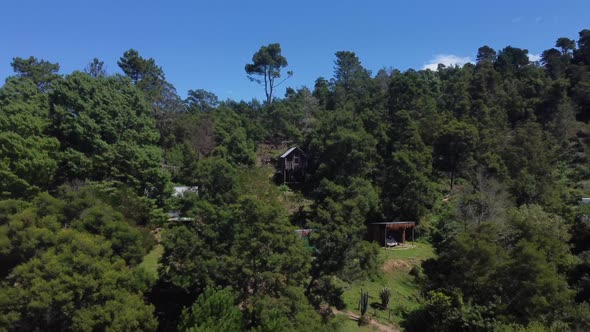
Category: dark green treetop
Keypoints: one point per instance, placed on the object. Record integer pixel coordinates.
(267, 63)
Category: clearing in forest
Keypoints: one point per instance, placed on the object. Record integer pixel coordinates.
(397, 263)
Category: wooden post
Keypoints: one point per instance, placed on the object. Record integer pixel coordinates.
(360, 299)
(404, 236)
(413, 235)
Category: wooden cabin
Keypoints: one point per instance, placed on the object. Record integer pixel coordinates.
(399, 230)
(292, 165)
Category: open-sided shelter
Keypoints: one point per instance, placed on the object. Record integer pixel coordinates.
(399, 230)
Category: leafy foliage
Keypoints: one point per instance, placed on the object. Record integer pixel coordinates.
(45, 292)
(515, 268)
(41, 72)
(385, 296)
(68, 266)
(214, 310)
(106, 133)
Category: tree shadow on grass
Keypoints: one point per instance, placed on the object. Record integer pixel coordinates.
(376, 306)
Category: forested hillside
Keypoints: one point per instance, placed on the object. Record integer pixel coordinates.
(491, 160)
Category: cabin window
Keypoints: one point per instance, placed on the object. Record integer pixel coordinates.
(296, 160)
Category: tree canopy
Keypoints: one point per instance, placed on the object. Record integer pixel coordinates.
(267, 63)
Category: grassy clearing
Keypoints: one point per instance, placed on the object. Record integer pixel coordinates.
(349, 325)
(397, 265)
(151, 261)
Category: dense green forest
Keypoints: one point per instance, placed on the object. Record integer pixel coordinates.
(490, 159)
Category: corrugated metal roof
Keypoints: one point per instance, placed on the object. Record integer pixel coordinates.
(291, 150)
(288, 152)
(180, 190)
(586, 200)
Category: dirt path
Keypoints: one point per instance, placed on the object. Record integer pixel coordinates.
(373, 323)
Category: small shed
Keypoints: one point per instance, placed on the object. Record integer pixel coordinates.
(379, 231)
(179, 191)
(585, 200)
(292, 164)
(303, 233)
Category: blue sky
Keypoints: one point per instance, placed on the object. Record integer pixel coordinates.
(205, 44)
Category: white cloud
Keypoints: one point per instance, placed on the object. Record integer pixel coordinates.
(447, 60)
(517, 19)
(534, 57)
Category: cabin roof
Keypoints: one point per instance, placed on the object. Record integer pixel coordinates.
(180, 190)
(288, 152)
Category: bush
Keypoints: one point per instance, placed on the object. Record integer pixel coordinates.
(385, 296)
(363, 262)
(324, 290)
(214, 310)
